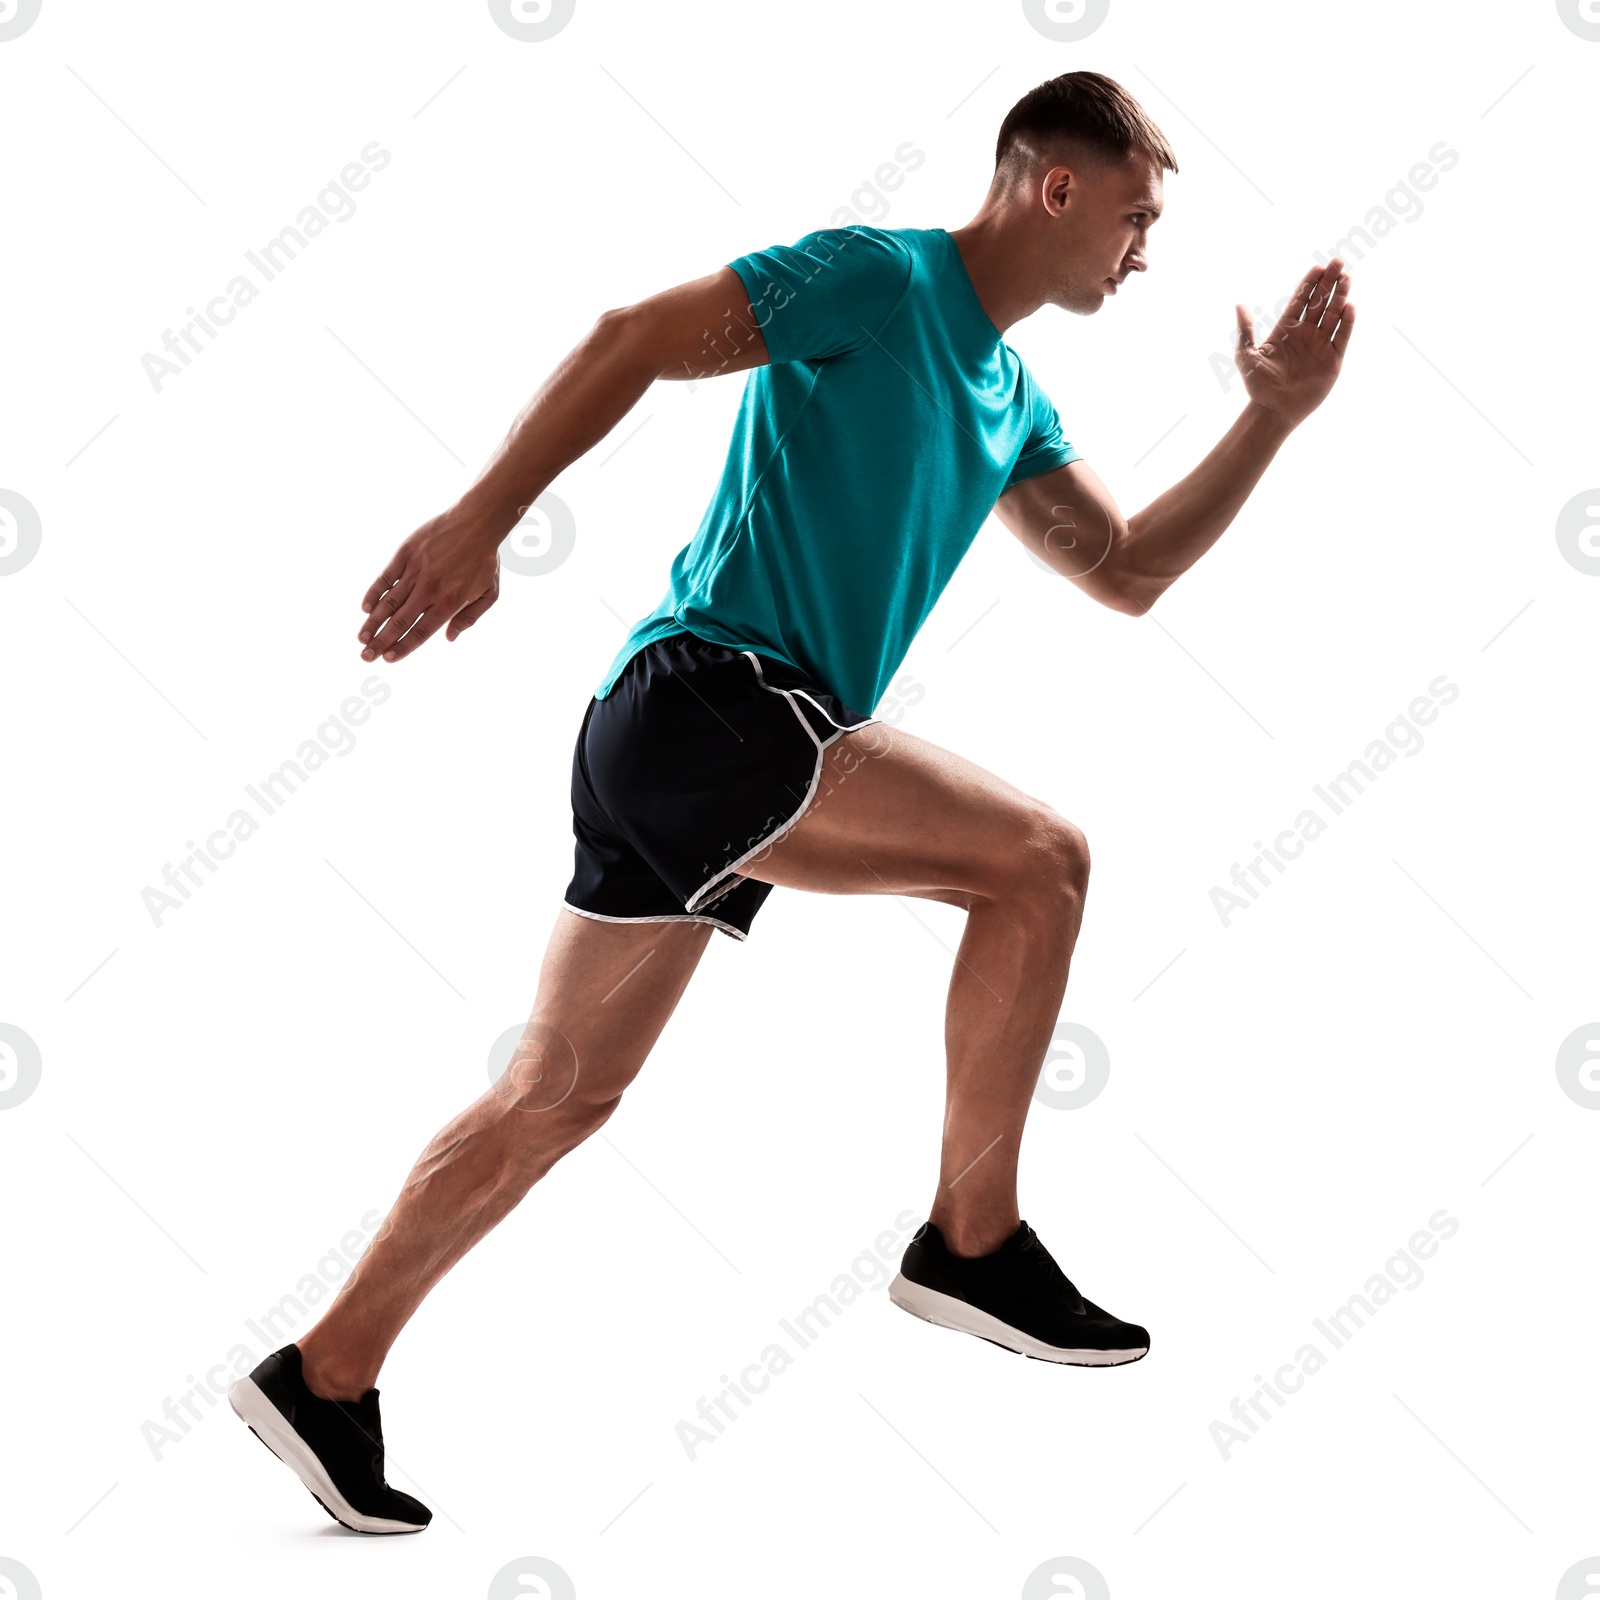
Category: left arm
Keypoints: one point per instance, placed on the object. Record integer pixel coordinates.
(1069, 520)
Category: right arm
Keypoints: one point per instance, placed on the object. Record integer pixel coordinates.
(447, 572)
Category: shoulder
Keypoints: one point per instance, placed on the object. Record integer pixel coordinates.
(862, 245)
(873, 266)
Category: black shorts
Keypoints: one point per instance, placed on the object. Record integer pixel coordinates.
(698, 758)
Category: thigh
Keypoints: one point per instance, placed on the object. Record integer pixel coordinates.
(606, 990)
(897, 814)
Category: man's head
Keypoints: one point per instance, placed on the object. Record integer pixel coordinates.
(1077, 175)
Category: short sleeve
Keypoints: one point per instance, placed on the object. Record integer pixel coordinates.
(827, 293)
(1046, 449)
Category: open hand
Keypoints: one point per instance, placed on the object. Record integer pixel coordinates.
(447, 572)
(1291, 371)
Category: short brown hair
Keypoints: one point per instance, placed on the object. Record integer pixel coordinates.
(1083, 108)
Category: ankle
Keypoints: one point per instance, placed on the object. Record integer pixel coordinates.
(330, 1380)
(973, 1236)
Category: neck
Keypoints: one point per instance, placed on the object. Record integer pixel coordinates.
(993, 253)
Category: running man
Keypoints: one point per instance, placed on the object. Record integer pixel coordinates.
(731, 746)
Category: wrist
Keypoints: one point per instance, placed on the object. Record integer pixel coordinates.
(486, 516)
(1267, 425)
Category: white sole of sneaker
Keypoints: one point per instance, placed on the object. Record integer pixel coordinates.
(948, 1312)
(252, 1407)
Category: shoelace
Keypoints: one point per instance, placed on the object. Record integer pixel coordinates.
(364, 1418)
(1031, 1242)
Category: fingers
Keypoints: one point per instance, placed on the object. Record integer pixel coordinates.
(1247, 327)
(418, 618)
(1307, 299)
(464, 618)
(378, 627)
(394, 627)
(389, 574)
(1297, 303)
(425, 627)
(1321, 288)
(1329, 319)
(1341, 334)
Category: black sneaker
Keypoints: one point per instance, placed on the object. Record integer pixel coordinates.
(1015, 1297)
(335, 1446)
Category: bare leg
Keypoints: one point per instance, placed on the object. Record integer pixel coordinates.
(605, 992)
(895, 814)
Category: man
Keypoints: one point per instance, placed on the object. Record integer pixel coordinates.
(731, 746)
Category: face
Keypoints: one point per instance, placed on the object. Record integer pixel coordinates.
(1104, 217)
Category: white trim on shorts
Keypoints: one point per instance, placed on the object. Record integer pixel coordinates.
(822, 708)
(732, 869)
(715, 922)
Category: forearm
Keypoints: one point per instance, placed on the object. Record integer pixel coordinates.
(1166, 538)
(595, 386)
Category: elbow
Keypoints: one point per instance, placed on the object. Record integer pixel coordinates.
(1134, 598)
(1132, 581)
(1122, 585)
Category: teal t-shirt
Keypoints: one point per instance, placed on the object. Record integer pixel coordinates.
(864, 459)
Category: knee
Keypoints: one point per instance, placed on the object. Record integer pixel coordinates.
(1053, 864)
(580, 1118)
(577, 1108)
(540, 1130)
(547, 1086)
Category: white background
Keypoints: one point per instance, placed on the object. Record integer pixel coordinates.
(1292, 1096)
